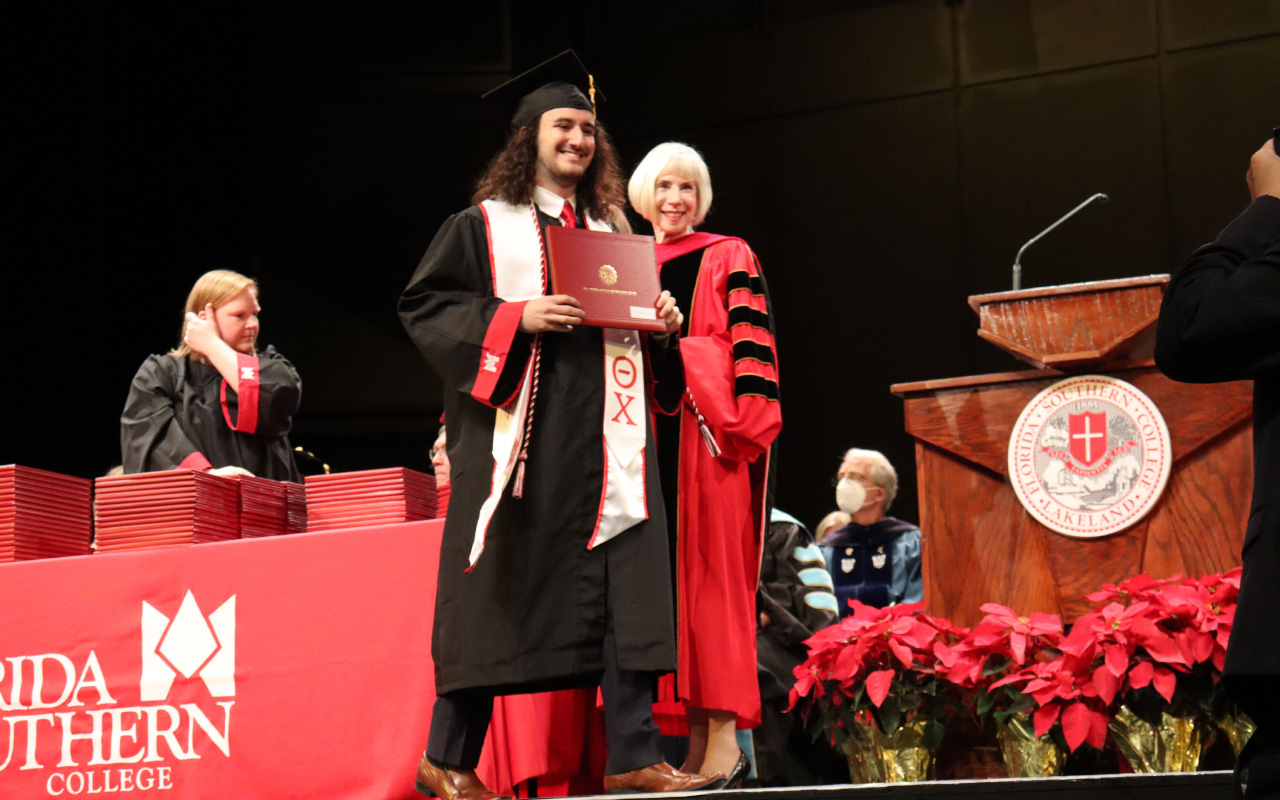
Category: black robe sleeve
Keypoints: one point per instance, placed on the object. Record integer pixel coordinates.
(667, 372)
(1220, 319)
(151, 438)
(450, 311)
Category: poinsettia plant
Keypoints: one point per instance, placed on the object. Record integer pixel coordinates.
(878, 664)
(1152, 645)
(1158, 645)
(1003, 644)
(1060, 689)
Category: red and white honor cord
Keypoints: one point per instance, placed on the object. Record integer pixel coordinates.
(707, 436)
(518, 489)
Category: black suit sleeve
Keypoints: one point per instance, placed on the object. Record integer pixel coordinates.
(1220, 319)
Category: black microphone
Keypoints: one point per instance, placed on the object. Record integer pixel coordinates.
(1017, 261)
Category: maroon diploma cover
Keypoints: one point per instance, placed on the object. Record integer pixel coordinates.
(613, 275)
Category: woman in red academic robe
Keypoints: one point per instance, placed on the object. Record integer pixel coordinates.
(714, 456)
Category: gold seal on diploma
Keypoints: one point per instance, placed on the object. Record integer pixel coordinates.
(608, 275)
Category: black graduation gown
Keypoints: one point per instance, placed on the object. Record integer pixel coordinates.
(531, 615)
(175, 414)
(1220, 321)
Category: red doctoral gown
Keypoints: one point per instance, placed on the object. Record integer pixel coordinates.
(732, 377)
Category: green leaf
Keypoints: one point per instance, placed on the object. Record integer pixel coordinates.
(890, 718)
(985, 702)
(908, 701)
(1023, 704)
(995, 663)
(841, 736)
(819, 723)
(933, 731)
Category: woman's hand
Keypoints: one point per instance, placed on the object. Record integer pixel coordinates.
(201, 333)
(557, 312)
(229, 471)
(670, 313)
(203, 338)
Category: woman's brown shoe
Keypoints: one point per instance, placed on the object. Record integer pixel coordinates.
(435, 782)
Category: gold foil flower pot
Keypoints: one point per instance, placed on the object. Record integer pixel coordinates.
(1174, 745)
(899, 757)
(1238, 728)
(1025, 754)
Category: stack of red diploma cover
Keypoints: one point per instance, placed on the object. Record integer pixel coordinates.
(295, 497)
(43, 514)
(263, 507)
(374, 497)
(152, 509)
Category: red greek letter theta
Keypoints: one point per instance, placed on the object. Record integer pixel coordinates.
(624, 372)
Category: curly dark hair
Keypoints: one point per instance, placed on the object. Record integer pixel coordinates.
(510, 175)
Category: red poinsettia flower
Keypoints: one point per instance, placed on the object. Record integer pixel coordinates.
(1139, 587)
(1002, 624)
(1065, 691)
(1118, 631)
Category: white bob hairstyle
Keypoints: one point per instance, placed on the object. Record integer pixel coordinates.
(669, 158)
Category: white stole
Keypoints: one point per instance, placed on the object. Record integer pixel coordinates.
(515, 240)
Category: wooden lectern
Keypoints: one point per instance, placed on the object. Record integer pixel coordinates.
(981, 545)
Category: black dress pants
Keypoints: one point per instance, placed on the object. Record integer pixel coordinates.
(460, 721)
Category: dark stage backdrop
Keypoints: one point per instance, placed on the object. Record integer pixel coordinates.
(885, 159)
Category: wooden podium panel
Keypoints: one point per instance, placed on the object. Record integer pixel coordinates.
(980, 545)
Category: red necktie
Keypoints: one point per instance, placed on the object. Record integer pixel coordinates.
(567, 217)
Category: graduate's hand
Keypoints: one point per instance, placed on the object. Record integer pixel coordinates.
(228, 471)
(670, 313)
(557, 312)
(201, 333)
(1263, 176)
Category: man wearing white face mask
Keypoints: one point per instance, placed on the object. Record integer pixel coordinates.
(875, 559)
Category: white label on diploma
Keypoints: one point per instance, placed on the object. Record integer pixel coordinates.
(640, 312)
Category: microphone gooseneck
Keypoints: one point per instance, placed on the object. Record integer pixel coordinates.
(1017, 261)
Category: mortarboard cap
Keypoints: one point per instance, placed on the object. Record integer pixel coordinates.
(555, 83)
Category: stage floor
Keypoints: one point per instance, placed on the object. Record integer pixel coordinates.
(1185, 786)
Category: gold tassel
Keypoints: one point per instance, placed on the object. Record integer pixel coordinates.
(591, 89)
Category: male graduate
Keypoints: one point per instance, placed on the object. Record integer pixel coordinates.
(554, 568)
(1220, 321)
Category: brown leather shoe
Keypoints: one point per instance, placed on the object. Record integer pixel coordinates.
(661, 777)
(435, 782)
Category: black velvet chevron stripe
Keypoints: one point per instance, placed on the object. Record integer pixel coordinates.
(741, 279)
(746, 314)
(754, 384)
(750, 349)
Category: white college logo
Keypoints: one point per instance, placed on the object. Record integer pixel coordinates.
(246, 373)
(1089, 456)
(189, 645)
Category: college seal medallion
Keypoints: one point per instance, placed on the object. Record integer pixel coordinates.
(608, 275)
(1089, 456)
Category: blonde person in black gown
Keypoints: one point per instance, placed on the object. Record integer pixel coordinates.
(214, 402)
